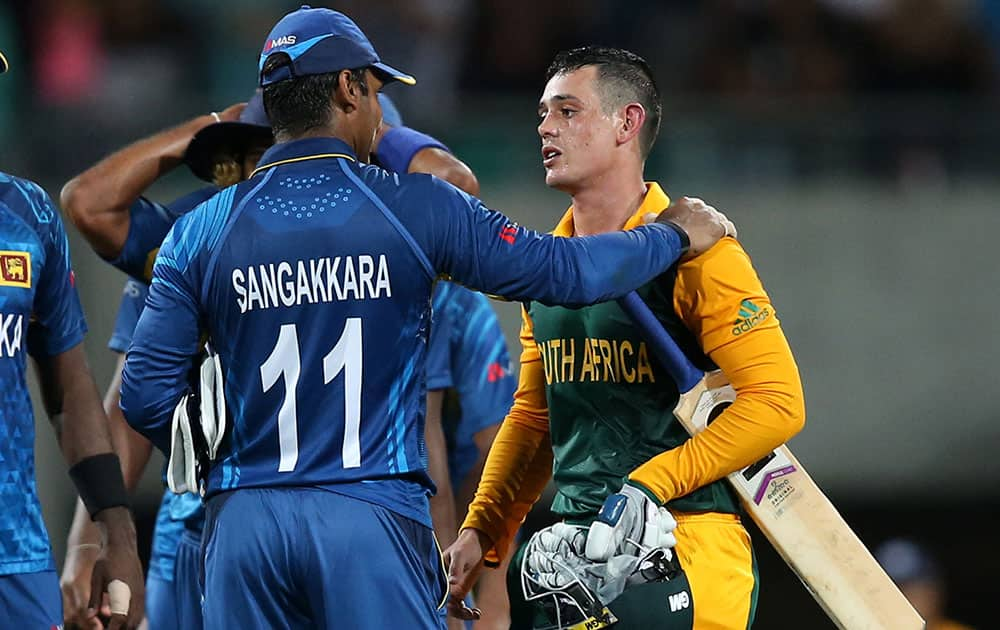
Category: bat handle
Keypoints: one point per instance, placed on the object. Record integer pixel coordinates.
(684, 373)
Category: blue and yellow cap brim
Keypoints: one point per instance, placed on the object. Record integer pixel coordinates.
(394, 74)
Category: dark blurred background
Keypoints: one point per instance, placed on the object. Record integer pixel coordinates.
(853, 141)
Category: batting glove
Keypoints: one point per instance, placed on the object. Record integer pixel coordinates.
(630, 523)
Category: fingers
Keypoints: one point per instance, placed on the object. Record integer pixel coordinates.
(458, 609)
(119, 597)
(118, 621)
(96, 589)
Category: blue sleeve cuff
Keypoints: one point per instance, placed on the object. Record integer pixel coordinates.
(119, 344)
(398, 146)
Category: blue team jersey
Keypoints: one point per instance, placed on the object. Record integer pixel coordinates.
(133, 299)
(149, 223)
(313, 282)
(467, 356)
(39, 313)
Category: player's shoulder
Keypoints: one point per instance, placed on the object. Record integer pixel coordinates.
(408, 190)
(724, 258)
(186, 203)
(28, 200)
(201, 227)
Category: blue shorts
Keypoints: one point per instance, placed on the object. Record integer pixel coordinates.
(31, 600)
(284, 558)
(161, 609)
(176, 603)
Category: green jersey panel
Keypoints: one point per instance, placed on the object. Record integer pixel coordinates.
(610, 404)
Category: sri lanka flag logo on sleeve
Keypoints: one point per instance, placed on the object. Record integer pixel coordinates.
(15, 269)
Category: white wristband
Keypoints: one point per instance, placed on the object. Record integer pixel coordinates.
(216, 117)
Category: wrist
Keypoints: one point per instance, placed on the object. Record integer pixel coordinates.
(484, 541)
(681, 234)
(99, 483)
(116, 525)
(632, 483)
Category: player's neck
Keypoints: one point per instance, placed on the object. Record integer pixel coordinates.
(607, 203)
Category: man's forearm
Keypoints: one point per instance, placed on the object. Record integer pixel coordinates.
(74, 405)
(443, 501)
(133, 449)
(98, 200)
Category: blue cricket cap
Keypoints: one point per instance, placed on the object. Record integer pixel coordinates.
(318, 41)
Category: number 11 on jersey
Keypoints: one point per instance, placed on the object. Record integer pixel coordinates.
(284, 362)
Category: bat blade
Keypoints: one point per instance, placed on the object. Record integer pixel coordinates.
(792, 511)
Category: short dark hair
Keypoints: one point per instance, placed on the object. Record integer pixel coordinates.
(296, 105)
(623, 77)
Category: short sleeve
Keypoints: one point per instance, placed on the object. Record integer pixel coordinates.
(133, 299)
(149, 223)
(57, 317)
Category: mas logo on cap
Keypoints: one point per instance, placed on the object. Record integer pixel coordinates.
(285, 40)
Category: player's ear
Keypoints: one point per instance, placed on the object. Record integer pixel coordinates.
(348, 92)
(632, 118)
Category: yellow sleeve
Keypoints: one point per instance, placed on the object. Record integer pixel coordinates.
(519, 463)
(721, 300)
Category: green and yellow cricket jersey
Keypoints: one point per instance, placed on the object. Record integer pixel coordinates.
(593, 408)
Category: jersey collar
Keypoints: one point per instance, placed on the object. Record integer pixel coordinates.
(301, 150)
(655, 201)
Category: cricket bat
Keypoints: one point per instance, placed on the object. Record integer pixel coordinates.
(800, 521)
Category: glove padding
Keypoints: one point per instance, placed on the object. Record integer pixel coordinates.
(182, 464)
(629, 523)
(197, 429)
(213, 402)
(555, 561)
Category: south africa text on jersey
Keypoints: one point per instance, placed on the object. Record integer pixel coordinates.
(312, 281)
(605, 360)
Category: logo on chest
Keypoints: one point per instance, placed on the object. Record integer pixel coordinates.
(15, 269)
(591, 360)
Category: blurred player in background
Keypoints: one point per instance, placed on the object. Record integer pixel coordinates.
(321, 474)
(590, 399)
(41, 316)
(469, 382)
(106, 203)
(912, 567)
(470, 389)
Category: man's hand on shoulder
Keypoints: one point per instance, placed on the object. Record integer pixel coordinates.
(703, 224)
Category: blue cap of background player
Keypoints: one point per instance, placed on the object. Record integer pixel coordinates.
(318, 41)
(229, 138)
(906, 561)
(390, 114)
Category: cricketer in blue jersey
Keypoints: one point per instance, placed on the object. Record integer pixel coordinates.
(40, 315)
(312, 281)
(214, 153)
(173, 596)
(467, 358)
